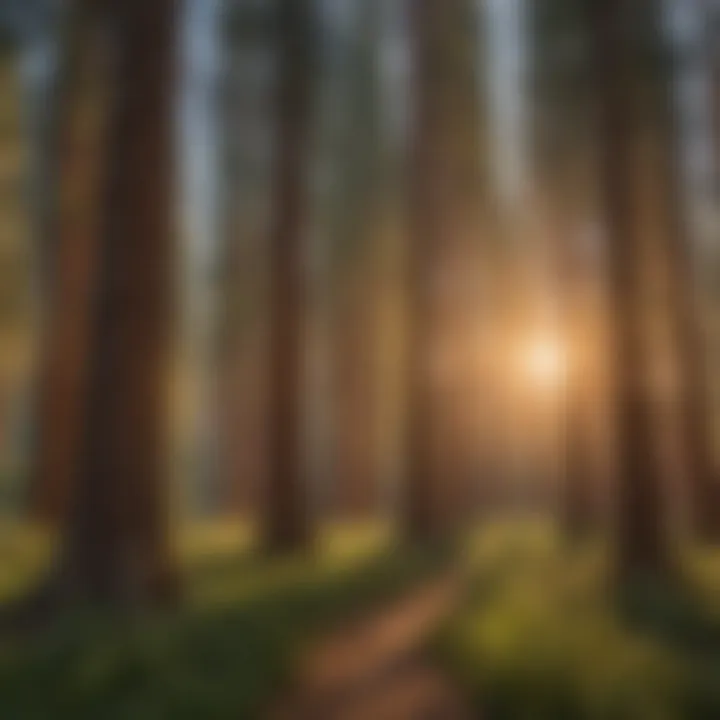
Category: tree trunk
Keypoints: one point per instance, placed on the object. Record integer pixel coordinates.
(286, 515)
(579, 502)
(355, 417)
(687, 326)
(564, 144)
(83, 109)
(357, 234)
(444, 196)
(642, 543)
(115, 545)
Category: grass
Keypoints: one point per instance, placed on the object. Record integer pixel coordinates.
(541, 638)
(225, 653)
(23, 556)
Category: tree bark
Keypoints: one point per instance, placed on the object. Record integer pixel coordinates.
(83, 110)
(445, 191)
(687, 326)
(355, 418)
(357, 235)
(115, 543)
(642, 542)
(286, 519)
(579, 500)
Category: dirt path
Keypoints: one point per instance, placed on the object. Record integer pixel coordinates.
(376, 669)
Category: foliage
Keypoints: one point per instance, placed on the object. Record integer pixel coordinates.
(23, 552)
(541, 637)
(221, 656)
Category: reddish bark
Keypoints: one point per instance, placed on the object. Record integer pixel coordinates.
(286, 513)
(444, 195)
(81, 171)
(642, 542)
(115, 543)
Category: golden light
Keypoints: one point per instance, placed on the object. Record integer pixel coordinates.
(544, 362)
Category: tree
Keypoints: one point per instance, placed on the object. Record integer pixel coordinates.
(445, 191)
(239, 370)
(114, 545)
(579, 499)
(689, 348)
(642, 542)
(286, 517)
(563, 103)
(75, 222)
(357, 233)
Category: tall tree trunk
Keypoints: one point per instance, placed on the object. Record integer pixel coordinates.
(578, 510)
(444, 196)
(642, 543)
(579, 502)
(355, 271)
(286, 513)
(83, 109)
(355, 453)
(115, 544)
(563, 137)
(564, 208)
(687, 326)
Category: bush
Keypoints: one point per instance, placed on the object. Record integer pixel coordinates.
(221, 656)
(542, 638)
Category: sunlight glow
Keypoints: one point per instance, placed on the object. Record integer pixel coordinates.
(544, 363)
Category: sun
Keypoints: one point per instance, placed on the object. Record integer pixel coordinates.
(544, 363)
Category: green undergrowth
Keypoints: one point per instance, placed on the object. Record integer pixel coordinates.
(542, 637)
(230, 647)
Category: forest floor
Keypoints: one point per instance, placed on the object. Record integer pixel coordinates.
(543, 633)
(377, 668)
(512, 622)
(243, 629)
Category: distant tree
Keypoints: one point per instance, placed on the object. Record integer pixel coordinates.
(579, 500)
(445, 193)
(34, 26)
(20, 19)
(286, 521)
(563, 103)
(687, 326)
(355, 245)
(42, 81)
(713, 42)
(246, 135)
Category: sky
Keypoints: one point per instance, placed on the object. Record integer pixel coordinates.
(201, 63)
(504, 51)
